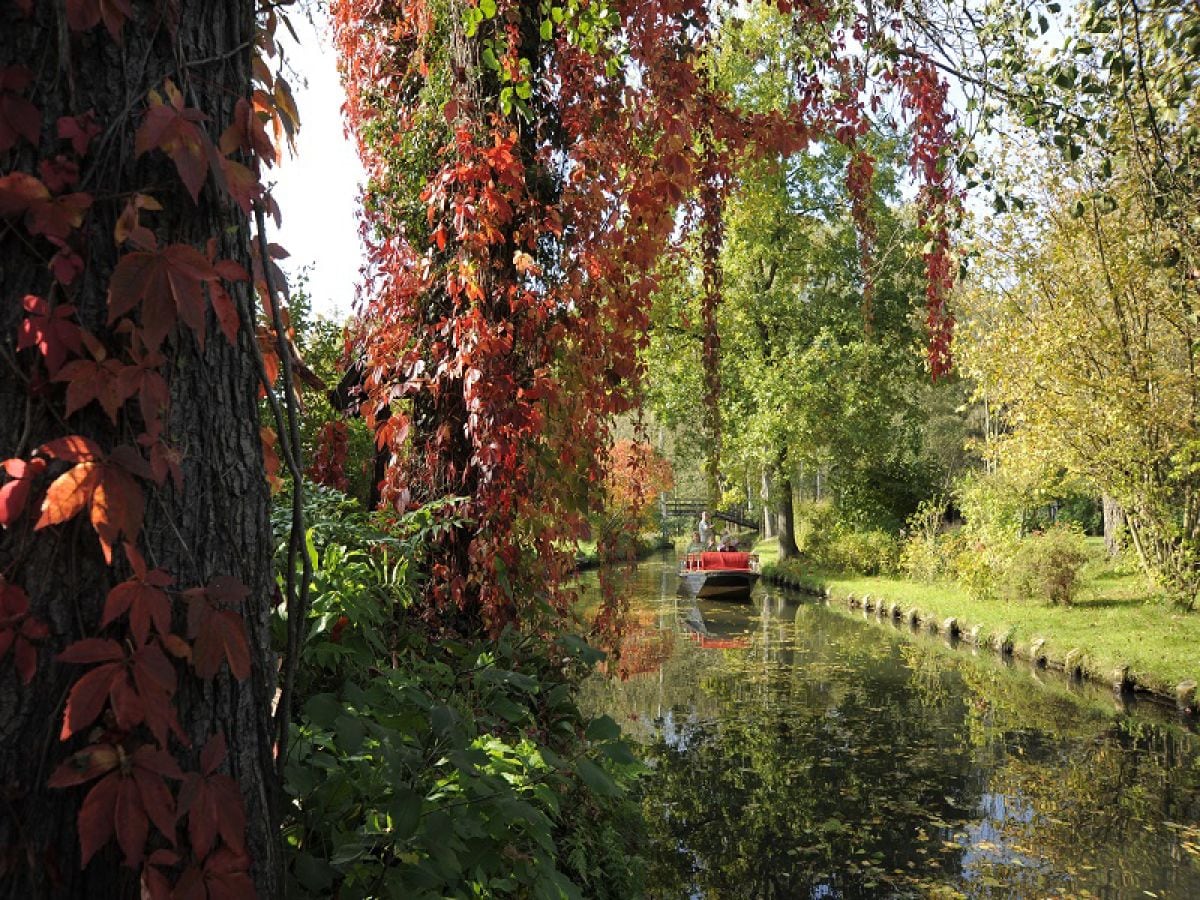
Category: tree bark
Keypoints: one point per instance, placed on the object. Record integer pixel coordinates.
(1114, 519)
(786, 515)
(216, 523)
(768, 500)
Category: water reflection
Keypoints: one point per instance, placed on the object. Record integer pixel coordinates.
(798, 751)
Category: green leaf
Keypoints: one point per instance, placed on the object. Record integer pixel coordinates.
(547, 29)
(350, 733)
(619, 753)
(603, 728)
(322, 710)
(488, 8)
(405, 813)
(314, 874)
(597, 780)
(442, 719)
(489, 59)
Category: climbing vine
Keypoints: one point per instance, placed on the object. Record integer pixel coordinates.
(126, 226)
(523, 185)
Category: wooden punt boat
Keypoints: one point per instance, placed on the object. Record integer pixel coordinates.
(719, 575)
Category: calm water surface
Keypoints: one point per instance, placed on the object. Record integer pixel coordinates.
(800, 750)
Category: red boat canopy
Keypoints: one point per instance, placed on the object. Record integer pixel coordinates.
(715, 559)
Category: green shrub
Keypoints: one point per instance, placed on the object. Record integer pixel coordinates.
(816, 523)
(863, 553)
(927, 554)
(420, 767)
(1046, 565)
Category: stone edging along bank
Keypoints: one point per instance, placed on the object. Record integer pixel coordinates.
(1074, 663)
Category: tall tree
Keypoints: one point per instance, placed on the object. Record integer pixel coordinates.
(135, 559)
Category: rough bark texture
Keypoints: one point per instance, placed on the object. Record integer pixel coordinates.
(786, 512)
(768, 501)
(217, 524)
(1114, 519)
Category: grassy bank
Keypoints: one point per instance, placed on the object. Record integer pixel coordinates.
(587, 557)
(1116, 621)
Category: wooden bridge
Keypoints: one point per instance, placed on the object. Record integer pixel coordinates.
(691, 507)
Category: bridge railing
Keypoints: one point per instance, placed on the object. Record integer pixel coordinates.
(741, 514)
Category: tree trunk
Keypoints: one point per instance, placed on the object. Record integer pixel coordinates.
(216, 523)
(786, 516)
(1114, 519)
(768, 500)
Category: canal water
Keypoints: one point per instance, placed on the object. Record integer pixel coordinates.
(801, 750)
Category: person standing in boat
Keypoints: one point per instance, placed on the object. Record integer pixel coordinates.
(705, 530)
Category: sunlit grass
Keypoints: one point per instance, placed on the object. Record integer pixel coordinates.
(1117, 619)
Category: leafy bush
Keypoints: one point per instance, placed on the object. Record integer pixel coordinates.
(816, 522)
(1046, 565)
(862, 553)
(436, 768)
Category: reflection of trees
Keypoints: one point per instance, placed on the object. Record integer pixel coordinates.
(832, 760)
(801, 780)
(1102, 807)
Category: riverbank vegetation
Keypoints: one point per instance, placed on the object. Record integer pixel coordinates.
(1117, 622)
(1071, 415)
(420, 766)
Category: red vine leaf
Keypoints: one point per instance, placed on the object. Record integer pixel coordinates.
(174, 129)
(167, 284)
(164, 459)
(247, 134)
(137, 684)
(86, 14)
(19, 630)
(79, 130)
(14, 494)
(243, 185)
(72, 448)
(52, 217)
(131, 822)
(219, 634)
(86, 765)
(125, 801)
(106, 486)
(96, 816)
(213, 803)
(270, 456)
(18, 117)
(146, 602)
(59, 173)
(94, 380)
(67, 265)
(69, 494)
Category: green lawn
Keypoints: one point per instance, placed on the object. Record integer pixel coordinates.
(1116, 620)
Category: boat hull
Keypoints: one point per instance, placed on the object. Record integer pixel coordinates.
(717, 584)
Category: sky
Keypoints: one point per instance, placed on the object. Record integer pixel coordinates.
(318, 189)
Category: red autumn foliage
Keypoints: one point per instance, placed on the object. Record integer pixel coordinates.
(125, 801)
(14, 493)
(212, 803)
(329, 462)
(218, 633)
(636, 475)
(512, 400)
(19, 631)
(102, 484)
